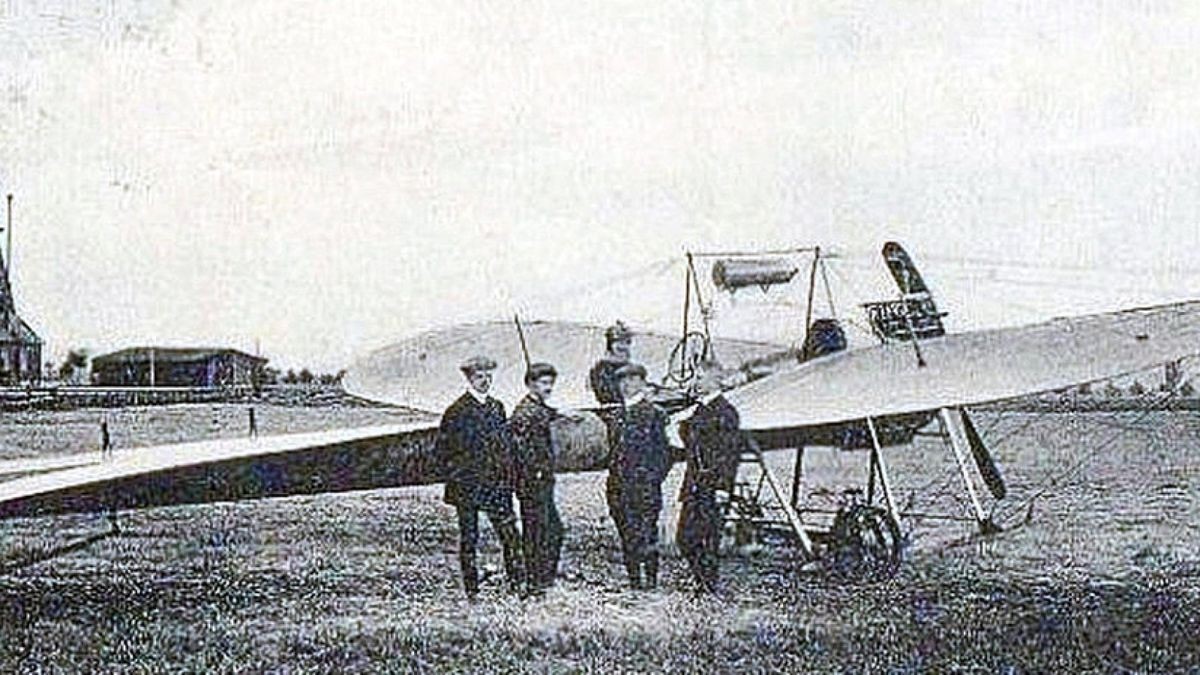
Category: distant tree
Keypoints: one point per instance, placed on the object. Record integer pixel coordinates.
(306, 376)
(75, 362)
(1111, 390)
(331, 379)
(270, 376)
(1187, 390)
(290, 377)
(1136, 389)
(1085, 389)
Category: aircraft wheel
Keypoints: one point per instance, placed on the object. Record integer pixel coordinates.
(865, 543)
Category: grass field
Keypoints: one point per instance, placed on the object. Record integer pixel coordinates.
(1104, 577)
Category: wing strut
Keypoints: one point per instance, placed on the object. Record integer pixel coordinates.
(959, 448)
(789, 510)
(798, 477)
(880, 469)
(983, 459)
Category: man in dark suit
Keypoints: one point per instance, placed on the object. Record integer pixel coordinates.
(618, 341)
(638, 464)
(475, 451)
(713, 441)
(541, 527)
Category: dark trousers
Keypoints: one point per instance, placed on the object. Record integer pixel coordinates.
(504, 522)
(542, 534)
(634, 508)
(699, 536)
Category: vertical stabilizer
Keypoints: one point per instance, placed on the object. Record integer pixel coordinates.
(915, 313)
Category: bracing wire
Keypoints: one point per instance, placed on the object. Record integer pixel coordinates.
(942, 486)
(655, 269)
(1074, 468)
(828, 291)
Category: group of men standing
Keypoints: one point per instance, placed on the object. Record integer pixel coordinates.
(487, 458)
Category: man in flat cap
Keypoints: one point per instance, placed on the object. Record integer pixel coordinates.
(638, 464)
(542, 530)
(714, 443)
(603, 376)
(475, 451)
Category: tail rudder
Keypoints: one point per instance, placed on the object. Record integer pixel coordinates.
(915, 312)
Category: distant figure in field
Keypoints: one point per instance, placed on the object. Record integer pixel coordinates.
(105, 438)
(713, 441)
(541, 526)
(476, 453)
(638, 464)
(603, 376)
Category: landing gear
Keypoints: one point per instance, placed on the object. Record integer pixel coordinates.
(746, 512)
(865, 543)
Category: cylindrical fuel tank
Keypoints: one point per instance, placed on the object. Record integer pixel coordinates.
(734, 273)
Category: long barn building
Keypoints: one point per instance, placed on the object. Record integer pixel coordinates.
(177, 367)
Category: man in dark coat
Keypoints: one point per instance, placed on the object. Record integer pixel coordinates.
(603, 376)
(542, 530)
(475, 451)
(713, 442)
(638, 464)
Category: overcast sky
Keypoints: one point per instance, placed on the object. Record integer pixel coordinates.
(328, 177)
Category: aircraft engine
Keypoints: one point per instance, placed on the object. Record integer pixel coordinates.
(825, 336)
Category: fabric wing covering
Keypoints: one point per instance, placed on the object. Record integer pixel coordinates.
(422, 372)
(960, 369)
(231, 470)
(969, 368)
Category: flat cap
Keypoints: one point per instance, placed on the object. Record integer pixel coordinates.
(476, 364)
(538, 370)
(631, 370)
(618, 331)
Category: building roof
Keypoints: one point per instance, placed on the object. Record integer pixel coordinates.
(170, 355)
(18, 331)
(13, 328)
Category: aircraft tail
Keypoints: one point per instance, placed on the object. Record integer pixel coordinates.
(915, 313)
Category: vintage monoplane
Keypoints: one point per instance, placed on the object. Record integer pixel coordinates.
(917, 377)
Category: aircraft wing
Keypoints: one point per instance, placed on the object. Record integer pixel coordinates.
(969, 368)
(961, 369)
(10, 467)
(231, 469)
(422, 372)
(236, 469)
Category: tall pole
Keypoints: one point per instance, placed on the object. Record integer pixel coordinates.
(8, 249)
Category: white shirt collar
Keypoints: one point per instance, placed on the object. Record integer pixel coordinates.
(636, 398)
(482, 398)
(709, 398)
